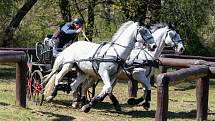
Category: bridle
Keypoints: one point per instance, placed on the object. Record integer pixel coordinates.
(142, 33)
(171, 38)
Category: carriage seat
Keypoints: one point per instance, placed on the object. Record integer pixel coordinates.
(48, 41)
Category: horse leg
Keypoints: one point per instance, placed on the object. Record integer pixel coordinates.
(77, 83)
(114, 99)
(65, 69)
(80, 79)
(140, 76)
(84, 88)
(132, 91)
(147, 95)
(111, 96)
(107, 89)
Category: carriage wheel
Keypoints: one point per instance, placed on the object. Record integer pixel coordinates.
(37, 87)
(28, 88)
(39, 50)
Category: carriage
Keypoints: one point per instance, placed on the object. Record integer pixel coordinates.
(39, 66)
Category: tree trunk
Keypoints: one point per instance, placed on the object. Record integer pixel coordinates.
(135, 10)
(153, 12)
(140, 13)
(11, 28)
(90, 24)
(65, 10)
(107, 10)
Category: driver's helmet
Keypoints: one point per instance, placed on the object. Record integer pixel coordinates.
(79, 21)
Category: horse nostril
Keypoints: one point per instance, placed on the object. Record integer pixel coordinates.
(182, 49)
(154, 46)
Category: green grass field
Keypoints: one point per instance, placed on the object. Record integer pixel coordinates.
(182, 104)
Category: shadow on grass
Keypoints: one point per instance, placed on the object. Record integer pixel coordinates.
(62, 102)
(4, 104)
(108, 107)
(59, 103)
(59, 117)
(182, 115)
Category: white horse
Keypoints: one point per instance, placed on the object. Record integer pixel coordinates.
(163, 35)
(98, 60)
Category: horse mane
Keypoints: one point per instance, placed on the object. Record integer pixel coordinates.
(121, 29)
(157, 26)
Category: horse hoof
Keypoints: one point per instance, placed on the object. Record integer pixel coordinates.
(49, 98)
(146, 105)
(86, 108)
(75, 105)
(130, 101)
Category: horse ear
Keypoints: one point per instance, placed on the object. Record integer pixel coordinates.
(147, 26)
(141, 23)
(171, 25)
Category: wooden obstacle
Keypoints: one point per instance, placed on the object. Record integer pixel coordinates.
(18, 57)
(192, 69)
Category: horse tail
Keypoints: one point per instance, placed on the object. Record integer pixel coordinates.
(50, 80)
(56, 66)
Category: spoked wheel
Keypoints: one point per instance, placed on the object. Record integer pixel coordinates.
(29, 77)
(37, 87)
(39, 50)
(28, 88)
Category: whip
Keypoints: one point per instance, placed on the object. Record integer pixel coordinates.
(85, 36)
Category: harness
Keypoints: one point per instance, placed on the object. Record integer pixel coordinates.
(96, 59)
(136, 63)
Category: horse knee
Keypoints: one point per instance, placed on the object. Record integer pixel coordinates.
(109, 90)
(73, 88)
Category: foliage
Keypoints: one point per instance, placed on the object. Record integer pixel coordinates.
(190, 16)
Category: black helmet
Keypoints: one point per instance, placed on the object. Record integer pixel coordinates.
(79, 20)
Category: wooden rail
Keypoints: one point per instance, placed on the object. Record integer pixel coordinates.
(18, 57)
(28, 51)
(199, 73)
(189, 57)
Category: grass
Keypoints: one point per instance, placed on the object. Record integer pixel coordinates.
(182, 104)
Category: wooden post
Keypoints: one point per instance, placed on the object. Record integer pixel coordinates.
(21, 71)
(18, 57)
(202, 90)
(173, 78)
(163, 69)
(162, 98)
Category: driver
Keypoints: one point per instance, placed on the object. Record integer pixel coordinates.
(66, 34)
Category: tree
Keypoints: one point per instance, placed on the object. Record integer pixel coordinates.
(134, 9)
(153, 12)
(11, 28)
(90, 17)
(65, 10)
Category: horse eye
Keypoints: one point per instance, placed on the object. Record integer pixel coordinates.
(171, 34)
(145, 31)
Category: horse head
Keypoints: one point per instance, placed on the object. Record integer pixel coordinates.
(173, 39)
(144, 33)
